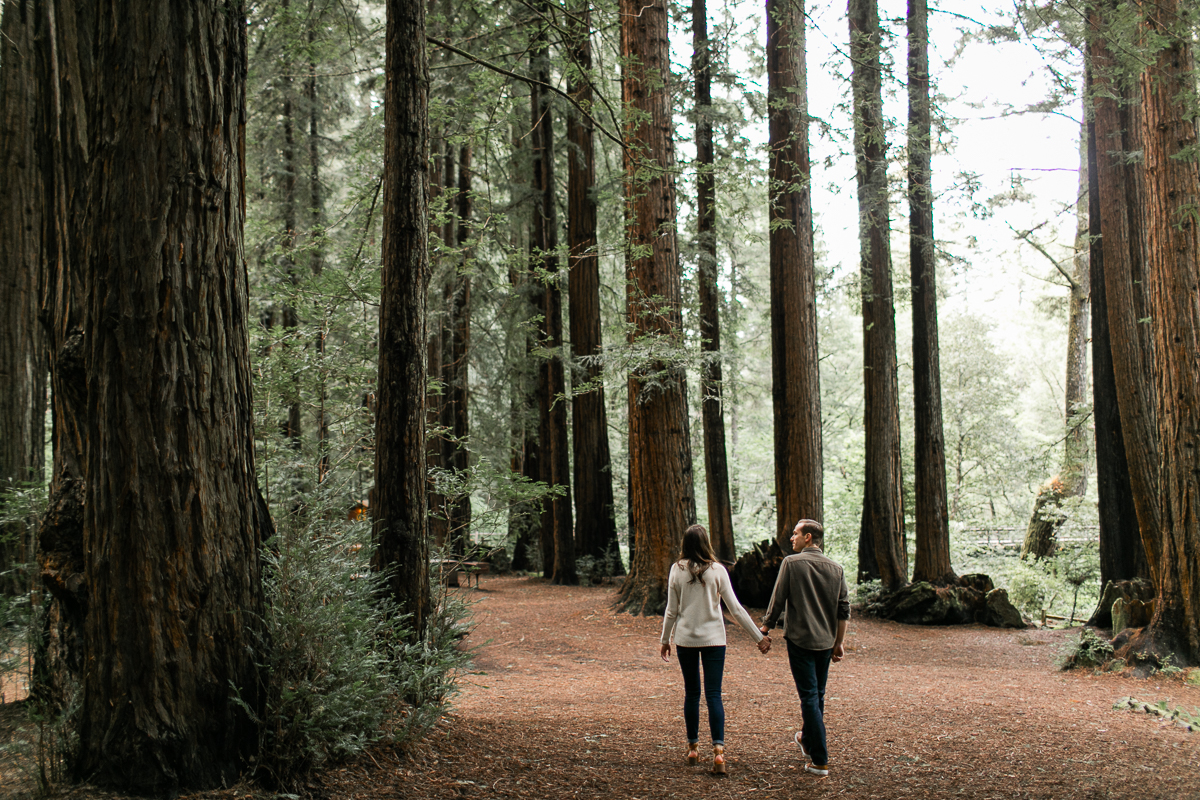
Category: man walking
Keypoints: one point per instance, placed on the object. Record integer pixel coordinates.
(812, 588)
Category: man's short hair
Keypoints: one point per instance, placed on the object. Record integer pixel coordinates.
(813, 527)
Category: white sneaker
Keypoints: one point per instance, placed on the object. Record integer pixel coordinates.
(820, 772)
(803, 752)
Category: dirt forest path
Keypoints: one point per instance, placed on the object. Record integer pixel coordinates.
(572, 701)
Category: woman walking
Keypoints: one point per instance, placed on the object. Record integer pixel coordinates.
(695, 588)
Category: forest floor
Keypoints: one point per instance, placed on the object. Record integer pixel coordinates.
(569, 699)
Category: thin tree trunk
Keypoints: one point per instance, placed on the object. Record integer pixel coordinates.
(457, 372)
(662, 500)
(23, 345)
(1173, 288)
(317, 234)
(716, 466)
(439, 450)
(148, 226)
(291, 168)
(883, 513)
(932, 562)
(595, 514)
(399, 499)
(795, 384)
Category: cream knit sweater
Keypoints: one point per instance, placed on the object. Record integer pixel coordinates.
(694, 609)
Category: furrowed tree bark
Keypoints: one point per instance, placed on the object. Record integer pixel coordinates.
(716, 465)
(558, 537)
(23, 345)
(795, 384)
(881, 538)
(662, 501)
(1122, 555)
(932, 562)
(595, 512)
(399, 499)
(1173, 288)
(1120, 178)
(149, 310)
(458, 388)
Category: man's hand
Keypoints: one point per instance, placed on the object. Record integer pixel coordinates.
(764, 645)
(839, 651)
(665, 652)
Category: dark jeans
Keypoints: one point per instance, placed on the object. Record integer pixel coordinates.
(810, 671)
(714, 667)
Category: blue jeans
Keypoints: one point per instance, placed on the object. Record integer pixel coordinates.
(714, 667)
(810, 671)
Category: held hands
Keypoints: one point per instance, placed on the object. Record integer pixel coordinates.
(665, 652)
(764, 645)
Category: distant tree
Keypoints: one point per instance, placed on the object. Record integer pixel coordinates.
(716, 464)
(881, 551)
(456, 371)
(23, 354)
(595, 512)
(149, 321)
(932, 516)
(662, 502)
(795, 385)
(398, 504)
(557, 536)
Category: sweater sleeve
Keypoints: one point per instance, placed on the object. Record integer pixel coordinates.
(735, 608)
(672, 613)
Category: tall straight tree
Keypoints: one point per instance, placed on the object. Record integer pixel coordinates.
(1122, 555)
(662, 502)
(23, 356)
(457, 371)
(795, 382)
(595, 512)
(399, 499)
(932, 561)
(1120, 187)
(716, 465)
(1173, 289)
(558, 537)
(148, 237)
(881, 551)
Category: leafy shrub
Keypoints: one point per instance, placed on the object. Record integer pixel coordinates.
(1089, 650)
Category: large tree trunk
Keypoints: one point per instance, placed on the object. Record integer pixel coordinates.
(457, 371)
(662, 500)
(795, 385)
(148, 235)
(399, 500)
(933, 521)
(1120, 179)
(881, 540)
(716, 465)
(23, 346)
(1173, 288)
(595, 512)
(558, 536)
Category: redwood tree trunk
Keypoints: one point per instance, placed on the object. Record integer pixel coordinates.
(399, 498)
(662, 501)
(795, 385)
(595, 512)
(883, 514)
(457, 372)
(150, 214)
(716, 465)
(23, 346)
(1173, 287)
(933, 521)
(1120, 184)
(558, 537)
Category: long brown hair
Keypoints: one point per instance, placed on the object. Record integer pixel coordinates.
(697, 552)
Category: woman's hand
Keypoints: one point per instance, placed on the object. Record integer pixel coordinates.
(764, 645)
(665, 652)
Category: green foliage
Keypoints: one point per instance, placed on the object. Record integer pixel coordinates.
(341, 668)
(1189, 720)
(1089, 650)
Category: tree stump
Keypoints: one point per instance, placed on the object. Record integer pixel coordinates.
(1136, 589)
(972, 598)
(753, 576)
